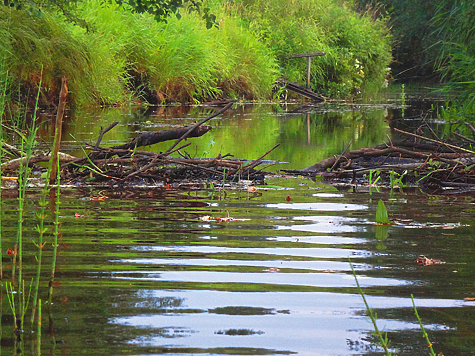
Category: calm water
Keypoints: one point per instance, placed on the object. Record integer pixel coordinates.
(140, 273)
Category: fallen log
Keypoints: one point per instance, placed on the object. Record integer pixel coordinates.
(149, 138)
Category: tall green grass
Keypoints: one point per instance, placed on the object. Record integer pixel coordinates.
(124, 54)
(40, 44)
(181, 60)
(21, 293)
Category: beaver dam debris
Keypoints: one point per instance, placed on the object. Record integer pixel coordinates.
(125, 164)
(436, 167)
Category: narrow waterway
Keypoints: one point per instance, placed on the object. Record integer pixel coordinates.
(142, 272)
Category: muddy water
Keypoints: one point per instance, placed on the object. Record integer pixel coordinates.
(141, 272)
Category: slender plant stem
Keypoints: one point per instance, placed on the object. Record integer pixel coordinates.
(424, 333)
(372, 315)
(55, 238)
(38, 331)
(41, 230)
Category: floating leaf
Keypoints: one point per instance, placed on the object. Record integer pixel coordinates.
(381, 213)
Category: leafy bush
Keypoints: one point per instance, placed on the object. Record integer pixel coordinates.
(358, 48)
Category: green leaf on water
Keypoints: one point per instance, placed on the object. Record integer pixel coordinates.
(381, 213)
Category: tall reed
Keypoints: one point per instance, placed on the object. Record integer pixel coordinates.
(382, 337)
(3, 100)
(27, 144)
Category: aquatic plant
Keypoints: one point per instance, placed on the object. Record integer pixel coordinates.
(424, 333)
(4, 78)
(16, 288)
(21, 294)
(382, 213)
(382, 336)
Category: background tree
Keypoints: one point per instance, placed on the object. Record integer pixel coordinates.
(160, 9)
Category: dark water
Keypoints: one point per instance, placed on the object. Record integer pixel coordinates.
(141, 273)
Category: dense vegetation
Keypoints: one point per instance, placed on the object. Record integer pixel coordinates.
(113, 53)
(434, 41)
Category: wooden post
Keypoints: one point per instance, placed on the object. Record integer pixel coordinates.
(309, 62)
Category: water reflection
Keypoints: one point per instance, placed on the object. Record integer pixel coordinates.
(140, 272)
(305, 138)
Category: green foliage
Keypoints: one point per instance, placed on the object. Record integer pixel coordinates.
(424, 333)
(415, 50)
(121, 51)
(180, 59)
(382, 213)
(357, 47)
(124, 54)
(382, 337)
(454, 24)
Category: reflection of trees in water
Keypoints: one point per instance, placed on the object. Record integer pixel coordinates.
(149, 300)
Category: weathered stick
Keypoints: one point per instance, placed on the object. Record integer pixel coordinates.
(15, 163)
(102, 132)
(470, 126)
(439, 142)
(259, 160)
(57, 132)
(379, 151)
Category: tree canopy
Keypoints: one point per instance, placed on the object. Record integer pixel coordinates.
(160, 9)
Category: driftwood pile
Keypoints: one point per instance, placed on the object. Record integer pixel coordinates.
(434, 166)
(126, 164)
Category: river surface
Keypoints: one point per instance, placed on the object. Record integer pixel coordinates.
(142, 272)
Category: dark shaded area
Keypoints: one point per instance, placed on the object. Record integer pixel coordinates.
(416, 43)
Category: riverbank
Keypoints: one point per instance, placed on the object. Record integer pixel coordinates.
(122, 57)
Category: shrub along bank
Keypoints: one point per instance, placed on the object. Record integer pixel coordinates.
(122, 55)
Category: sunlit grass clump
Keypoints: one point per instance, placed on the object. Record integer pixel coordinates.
(180, 60)
(32, 45)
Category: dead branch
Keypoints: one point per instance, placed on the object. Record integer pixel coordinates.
(58, 128)
(439, 142)
(15, 163)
